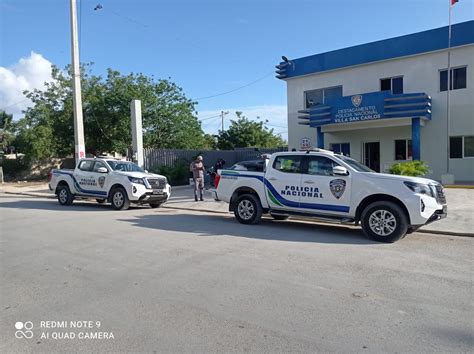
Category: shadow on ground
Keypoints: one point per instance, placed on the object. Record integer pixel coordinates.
(268, 229)
(53, 205)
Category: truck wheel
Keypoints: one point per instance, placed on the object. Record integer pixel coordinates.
(248, 209)
(119, 199)
(101, 201)
(280, 217)
(65, 196)
(155, 205)
(384, 221)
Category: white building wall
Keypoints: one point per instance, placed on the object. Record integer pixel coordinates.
(420, 74)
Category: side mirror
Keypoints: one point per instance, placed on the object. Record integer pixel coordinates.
(340, 171)
(102, 170)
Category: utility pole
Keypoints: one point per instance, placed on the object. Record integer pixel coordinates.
(222, 119)
(80, 149)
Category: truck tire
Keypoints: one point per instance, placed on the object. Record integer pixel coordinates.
(155, 205)
(248, 209)
(119, 199)
(384, 221)
(65, 196)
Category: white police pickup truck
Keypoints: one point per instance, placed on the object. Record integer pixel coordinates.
(332, 187)
(107, 180)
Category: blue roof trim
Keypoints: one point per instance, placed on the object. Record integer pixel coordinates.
(412, 44)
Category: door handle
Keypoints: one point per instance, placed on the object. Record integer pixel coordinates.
(272, 179)
(309, 182)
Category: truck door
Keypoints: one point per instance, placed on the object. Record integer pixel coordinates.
(321, 191)
(83, 176)
(102, 180)
(282, 182)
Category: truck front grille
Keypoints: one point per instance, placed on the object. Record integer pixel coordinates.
(440, 197)
(157, 183)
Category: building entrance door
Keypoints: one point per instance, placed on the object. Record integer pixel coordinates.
(372, 155)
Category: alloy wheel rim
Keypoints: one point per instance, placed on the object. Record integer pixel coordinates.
(63, 196)
(246, 209)
(382, 222)
(118, 199)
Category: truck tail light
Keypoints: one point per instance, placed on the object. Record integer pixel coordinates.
(216, 180)
(50, 175)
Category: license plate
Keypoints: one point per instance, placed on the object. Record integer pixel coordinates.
(157, 191)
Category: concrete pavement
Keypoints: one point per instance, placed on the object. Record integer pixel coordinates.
(460, 220)
(164, 280)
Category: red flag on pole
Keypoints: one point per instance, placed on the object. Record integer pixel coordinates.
(453, 2)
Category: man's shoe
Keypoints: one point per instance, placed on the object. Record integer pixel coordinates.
(195, 199)
(202, 200)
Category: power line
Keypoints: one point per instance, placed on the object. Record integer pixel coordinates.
(207, 118)
(14, 104)
(236, 89)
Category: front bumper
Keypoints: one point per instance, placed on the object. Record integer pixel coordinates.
(138, 193)
(438, 215)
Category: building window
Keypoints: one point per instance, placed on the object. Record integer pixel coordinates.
(320, 96)
(341, 148)
(403, 150)
(392, 84)
(457, 80)
(461, 146)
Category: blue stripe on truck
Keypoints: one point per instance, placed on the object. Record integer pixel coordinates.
(289, 203)
(78, 187)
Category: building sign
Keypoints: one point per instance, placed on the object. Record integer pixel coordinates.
(305, 143)
(357, 108)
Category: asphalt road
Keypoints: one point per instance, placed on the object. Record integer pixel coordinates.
(175, 281)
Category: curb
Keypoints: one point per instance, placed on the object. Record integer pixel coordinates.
(32, 194)
(449, 233)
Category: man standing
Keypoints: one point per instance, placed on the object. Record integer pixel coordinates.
(197, 167)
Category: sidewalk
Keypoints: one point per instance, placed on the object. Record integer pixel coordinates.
(460, 220)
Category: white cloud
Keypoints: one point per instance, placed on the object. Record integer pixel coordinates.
(27, 74)
(276, 116)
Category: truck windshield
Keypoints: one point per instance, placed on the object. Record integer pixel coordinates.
(356, 165)
(124, 166)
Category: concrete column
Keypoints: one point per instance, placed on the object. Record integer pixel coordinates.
(137, 132)
(416, 138)
(320, 138)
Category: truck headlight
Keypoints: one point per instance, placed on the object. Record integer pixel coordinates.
(420, 188)
(136, 180)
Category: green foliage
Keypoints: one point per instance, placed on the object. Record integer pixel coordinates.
(409, 168)
(246, 133)
(6, 130)
(177, 175)
(168, 116)
(14, 167)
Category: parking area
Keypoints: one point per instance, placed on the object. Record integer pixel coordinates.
(172, 280)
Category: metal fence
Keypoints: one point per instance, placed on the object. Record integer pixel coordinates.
(154, 158)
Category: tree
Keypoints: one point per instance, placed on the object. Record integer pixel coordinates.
(169, 119)
(6, 130)
(246, 133)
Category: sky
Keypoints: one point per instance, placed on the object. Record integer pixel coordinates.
(208, 47)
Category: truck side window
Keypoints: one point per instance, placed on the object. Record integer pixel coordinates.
(320, 165)
(288, 164)
(86, 165)
(97, 165)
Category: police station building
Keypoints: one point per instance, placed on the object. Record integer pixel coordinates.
(385, 102)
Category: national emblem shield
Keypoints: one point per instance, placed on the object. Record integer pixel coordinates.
(337, 187)
(101, 181)
(356, 100)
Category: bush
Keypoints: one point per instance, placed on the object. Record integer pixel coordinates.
(409, 168)
(15, 168)
(177, 175)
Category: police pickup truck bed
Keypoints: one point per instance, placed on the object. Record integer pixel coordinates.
(332, 187)
(115, 181)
